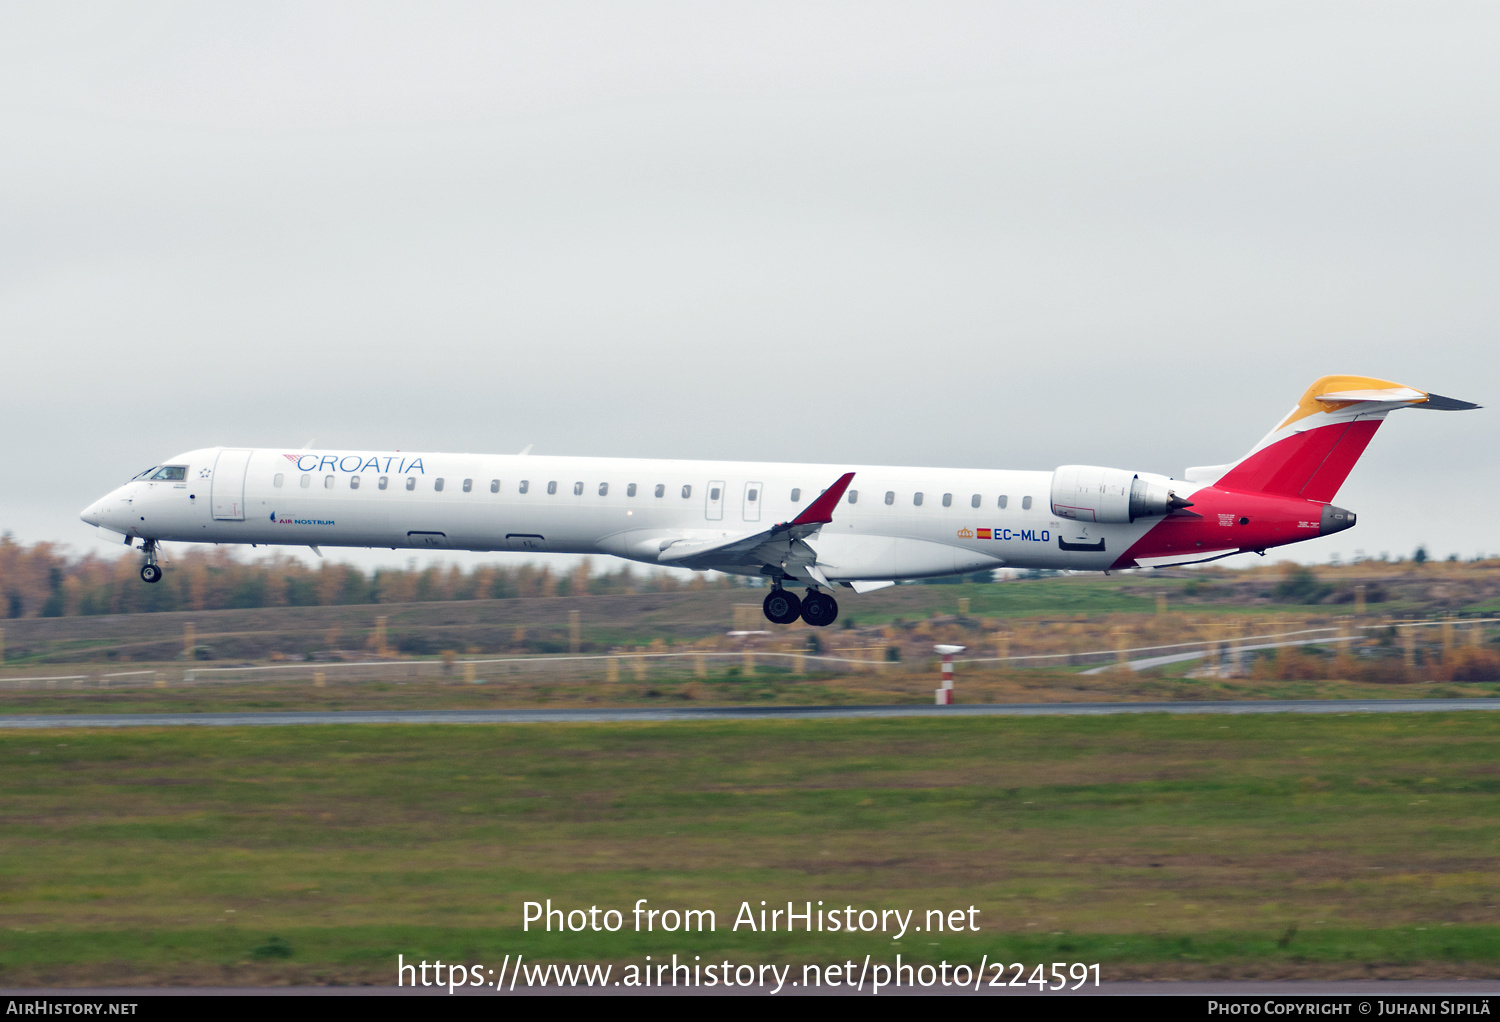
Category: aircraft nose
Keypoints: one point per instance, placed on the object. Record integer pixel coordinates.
(102, 512)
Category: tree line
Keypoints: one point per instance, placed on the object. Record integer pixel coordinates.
(46, 580)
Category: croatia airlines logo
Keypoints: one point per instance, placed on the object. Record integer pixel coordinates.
(355, 463)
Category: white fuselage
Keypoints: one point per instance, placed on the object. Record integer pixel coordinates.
(894, 523)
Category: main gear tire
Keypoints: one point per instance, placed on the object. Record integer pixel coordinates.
(819, 609)
(150, 573)
(782, 607)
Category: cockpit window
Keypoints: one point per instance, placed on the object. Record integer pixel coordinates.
(170, 473)
(142, 475)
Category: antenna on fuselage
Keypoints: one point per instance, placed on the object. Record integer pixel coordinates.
(307, 446)
(525, 450)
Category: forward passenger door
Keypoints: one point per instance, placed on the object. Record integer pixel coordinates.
(227, 489)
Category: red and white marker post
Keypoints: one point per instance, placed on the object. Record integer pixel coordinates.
(944, 695)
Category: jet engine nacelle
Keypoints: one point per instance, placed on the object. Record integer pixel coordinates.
(1088, 493)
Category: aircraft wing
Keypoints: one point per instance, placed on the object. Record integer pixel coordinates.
(781, 545)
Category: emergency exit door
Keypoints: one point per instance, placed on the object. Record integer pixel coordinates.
(752, 501)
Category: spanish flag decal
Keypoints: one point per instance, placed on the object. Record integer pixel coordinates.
(984, 533)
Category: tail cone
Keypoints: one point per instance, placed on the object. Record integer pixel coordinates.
(1335, 519)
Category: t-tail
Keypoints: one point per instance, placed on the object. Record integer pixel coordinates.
(1282, 491)
(1313, 449)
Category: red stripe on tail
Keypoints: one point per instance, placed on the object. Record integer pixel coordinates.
(1312, 464)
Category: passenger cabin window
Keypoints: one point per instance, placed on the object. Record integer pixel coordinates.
(411, 482)
(385, 481)
(661, 489)
(974, 500)
(713, 494)
(1004, 500)
(854, 496)
(796, 494)
(890, 496)
(468, 486)
(947, 500)
(577, 489)
(328, 482)
(687, 491)
(916, 498)
(169, 473)
(494, 486)
(1025, 503)
(630, 490)
(354, 482)
(604, 489)
(752, 496)
(306, 481)
(276, 482)
(552, 486)
(523, 485)
(437, 484)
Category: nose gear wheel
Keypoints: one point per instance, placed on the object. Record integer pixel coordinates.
(150, 571)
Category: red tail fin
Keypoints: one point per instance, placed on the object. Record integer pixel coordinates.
(1312, 464)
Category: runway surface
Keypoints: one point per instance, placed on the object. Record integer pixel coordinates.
(652, 715)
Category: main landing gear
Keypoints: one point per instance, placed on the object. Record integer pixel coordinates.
(782, 607)
(150, 571)
(817, 609)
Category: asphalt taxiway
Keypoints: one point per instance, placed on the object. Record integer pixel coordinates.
(592, 715)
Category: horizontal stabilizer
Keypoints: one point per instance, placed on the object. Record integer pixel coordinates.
(1439, 403)
(1383, 394)
(1407, 395)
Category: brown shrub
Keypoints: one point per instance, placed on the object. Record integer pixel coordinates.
(1468, 663)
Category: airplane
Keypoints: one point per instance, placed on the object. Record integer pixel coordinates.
(819, 527)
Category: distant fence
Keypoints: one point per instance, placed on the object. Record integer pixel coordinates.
(611, 667)
(644, 666)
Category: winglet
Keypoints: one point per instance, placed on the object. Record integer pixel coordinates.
(820, 511)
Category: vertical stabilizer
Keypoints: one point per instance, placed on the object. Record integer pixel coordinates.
(1314, 448)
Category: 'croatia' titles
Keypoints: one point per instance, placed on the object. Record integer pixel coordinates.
(354, 463)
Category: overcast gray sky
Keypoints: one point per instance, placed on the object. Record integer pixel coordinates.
(991, 235)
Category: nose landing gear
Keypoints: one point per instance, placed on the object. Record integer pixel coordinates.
(150, 571)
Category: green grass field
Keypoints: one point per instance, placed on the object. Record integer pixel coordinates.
(1157, 846)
